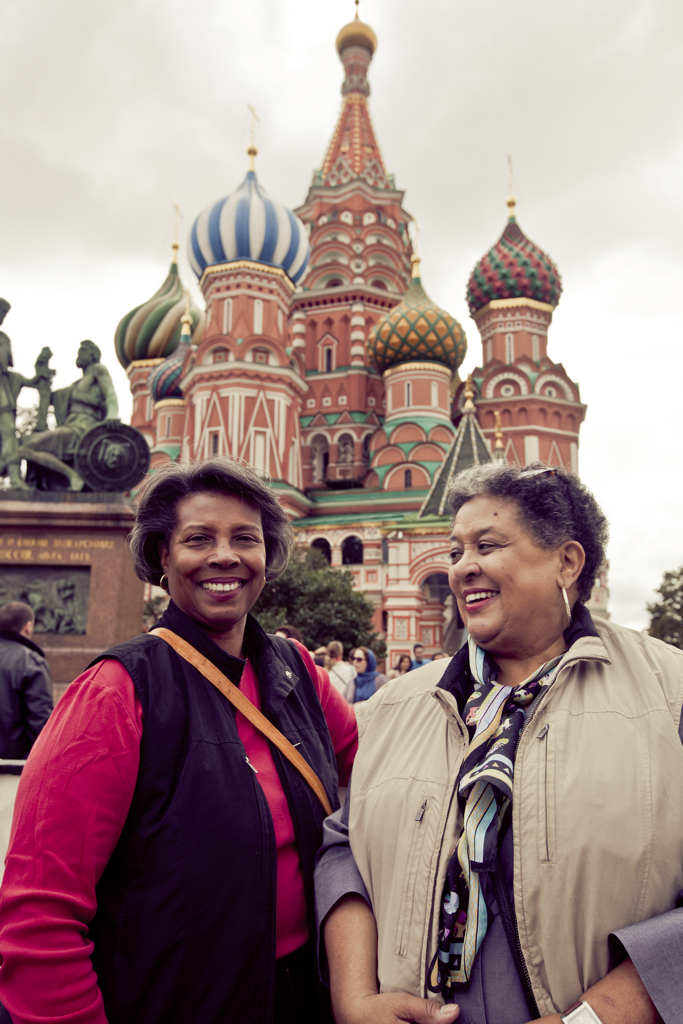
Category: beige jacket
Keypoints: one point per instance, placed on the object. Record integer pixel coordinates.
(597, 811)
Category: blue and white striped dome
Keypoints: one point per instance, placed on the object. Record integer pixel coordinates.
(249, 225)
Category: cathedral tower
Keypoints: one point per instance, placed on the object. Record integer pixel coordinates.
(144, 338)
(243, 385)
(359, 268)
(512, 294)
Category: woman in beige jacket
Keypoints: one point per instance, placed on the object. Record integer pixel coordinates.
(512, 844)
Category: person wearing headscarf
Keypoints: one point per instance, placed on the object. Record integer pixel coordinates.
(368, 680)
(515, 814)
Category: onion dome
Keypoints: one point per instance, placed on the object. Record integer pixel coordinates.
(164, 380)
(249, 225)
(356, 33)
(417, 330)
(152, 330)
(515, 268)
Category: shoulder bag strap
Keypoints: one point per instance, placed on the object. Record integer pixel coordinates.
(243, 704)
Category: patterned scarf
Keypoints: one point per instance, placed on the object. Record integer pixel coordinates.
(494, 716)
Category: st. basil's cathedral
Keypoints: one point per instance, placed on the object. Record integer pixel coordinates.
(321, 361)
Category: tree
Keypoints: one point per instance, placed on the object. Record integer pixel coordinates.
(321, 603)
(666, 615)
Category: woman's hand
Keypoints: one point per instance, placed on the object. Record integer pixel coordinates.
(618, 998)
(395, 1007)
(351, 946)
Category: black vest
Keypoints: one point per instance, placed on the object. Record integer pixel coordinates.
(184, 931)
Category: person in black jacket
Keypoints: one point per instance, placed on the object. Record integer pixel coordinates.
(161, 863)
(25, 683)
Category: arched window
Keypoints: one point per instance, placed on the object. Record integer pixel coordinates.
(535, 348)
(379, 284)
(328, 359)
(409, 394)
(408, 479)
(322, 545)
(435, 395)
(385, 549)
(509, 348)
(320, 457)
(345, 449)
(352, 551)
(334, 283)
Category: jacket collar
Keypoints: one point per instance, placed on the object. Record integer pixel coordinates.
(581, 637)
(180, 623)
(276, 680)
(17, 638)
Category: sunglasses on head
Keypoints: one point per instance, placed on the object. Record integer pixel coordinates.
(538, 472)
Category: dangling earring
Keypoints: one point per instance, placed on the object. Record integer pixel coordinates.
(566, 603)
(163, 583)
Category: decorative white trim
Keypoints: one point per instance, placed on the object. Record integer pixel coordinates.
(507, 375)
(547, 378)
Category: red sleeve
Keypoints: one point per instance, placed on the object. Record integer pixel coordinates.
(341, 718)
(72, 802)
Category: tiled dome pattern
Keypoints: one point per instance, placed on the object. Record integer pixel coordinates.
(164, 380)
(417, 330)
(152, 330)
(514, 268)
(249, 225)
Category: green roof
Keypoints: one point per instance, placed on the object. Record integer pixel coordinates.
(469, 448)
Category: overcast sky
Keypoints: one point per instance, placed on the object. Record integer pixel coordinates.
(112, 112)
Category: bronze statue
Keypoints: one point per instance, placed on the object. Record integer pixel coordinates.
(84, 404)
(11, 384)
(43, 385)
(89, 447)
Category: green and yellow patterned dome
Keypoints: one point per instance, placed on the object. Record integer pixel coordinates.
(152, 330)
(417, 330)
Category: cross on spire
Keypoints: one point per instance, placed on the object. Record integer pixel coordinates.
(176, 231)
(252, 150)
(511, 201)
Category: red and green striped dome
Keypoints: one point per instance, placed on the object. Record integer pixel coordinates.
(515, 268)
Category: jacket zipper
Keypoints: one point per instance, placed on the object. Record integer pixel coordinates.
(512, 933)
(543, 735)
(436, 875)
(408, 892)
(454, 790)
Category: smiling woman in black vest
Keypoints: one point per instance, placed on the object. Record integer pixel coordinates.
(162, 858)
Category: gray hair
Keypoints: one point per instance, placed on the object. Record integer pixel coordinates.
(157, 502)
(553, 505)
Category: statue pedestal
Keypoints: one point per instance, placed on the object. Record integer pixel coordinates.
(65, 554)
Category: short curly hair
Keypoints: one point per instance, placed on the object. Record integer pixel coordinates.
(553, 505)
(157, 502)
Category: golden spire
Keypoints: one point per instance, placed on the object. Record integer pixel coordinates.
(499, 447)
(356, 33)
(176, 244)
(415, 260)
(511, 201)
(469, 406)
(252, 150)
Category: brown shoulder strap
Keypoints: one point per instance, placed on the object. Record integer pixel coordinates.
(243, 704)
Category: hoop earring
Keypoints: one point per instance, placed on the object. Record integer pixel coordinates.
(163, 583)
(566, 603)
